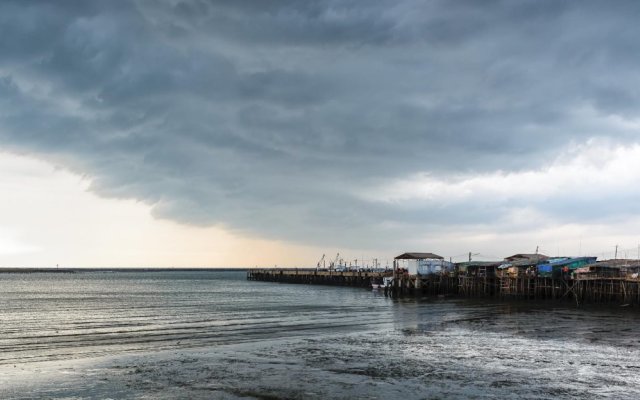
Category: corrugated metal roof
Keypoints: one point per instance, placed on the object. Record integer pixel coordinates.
(621, 262)
(480, 263)
(571, 260)
(525, 256)
(418, 256)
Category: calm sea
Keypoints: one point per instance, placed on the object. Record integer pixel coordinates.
(203, 334)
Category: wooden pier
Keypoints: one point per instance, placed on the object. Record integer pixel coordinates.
(596, 289)
(317, 277)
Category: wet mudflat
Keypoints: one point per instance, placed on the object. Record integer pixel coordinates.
(215, 335)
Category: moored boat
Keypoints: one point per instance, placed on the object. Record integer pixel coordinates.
(381, 283)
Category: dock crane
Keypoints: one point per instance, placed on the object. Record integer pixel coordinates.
(320, 262)
(332, 264)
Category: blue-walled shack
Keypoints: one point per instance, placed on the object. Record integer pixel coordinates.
(554, 267)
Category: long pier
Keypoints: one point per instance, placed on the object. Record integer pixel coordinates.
(317, 277)
(593, 289)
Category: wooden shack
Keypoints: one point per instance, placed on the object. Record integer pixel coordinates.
(596, 271)
(478, 269)
(520, 265)
(423, 263)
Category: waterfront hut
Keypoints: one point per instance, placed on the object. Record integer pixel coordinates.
(516, 269)
(631, 272)
(478, 269)
(520, 265)
(423, 263)
(554, 267)
(621, 262)
(596, 271)
(627, 268)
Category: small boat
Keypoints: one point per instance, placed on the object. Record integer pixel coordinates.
(385, 282)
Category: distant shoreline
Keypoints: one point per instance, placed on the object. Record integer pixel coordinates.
(21, 270)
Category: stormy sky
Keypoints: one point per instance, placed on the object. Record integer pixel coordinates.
(443, 126)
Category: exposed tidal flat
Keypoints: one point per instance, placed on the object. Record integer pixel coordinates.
(206, 334)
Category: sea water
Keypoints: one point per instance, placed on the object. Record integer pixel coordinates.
(208, 334)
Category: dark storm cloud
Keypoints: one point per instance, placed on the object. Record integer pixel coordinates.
(281, 118)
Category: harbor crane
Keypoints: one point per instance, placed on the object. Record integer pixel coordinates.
(320, 262)
(332, 264)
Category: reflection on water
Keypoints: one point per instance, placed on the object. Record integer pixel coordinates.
(52, 316)
(214, 334)
(612, 325)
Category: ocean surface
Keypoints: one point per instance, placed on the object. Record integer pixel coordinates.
(210, 335)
